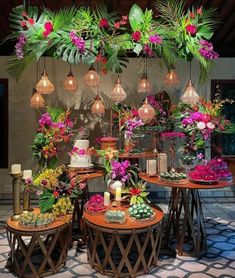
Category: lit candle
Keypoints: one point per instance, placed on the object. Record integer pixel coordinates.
(151, 167)
(118, 194)
(16, 168)
(106, 198)
(162, 162)
(27, 174)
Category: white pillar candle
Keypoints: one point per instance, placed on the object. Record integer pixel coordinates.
(118, 195)
(16, 168)
(27, 174)
(162, 162)
(151, 167)
(106, 198)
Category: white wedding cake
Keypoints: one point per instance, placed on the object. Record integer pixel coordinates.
(80, 156)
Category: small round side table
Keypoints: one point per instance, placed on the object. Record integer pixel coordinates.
(123, 250)
(38, 252)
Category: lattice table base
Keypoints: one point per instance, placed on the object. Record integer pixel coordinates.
(123, 253)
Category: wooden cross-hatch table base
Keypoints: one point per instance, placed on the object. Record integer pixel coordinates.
(123, 250)
(185, 203)
(38, 252)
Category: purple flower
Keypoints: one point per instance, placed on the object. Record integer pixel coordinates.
(19, 46)
(156, 39)
(59, 125)
(78, 41)
(200, 156)
(120, 170)
(39, 192)
(207, 51)
(45, 120)
(148, 50)
(28, 181)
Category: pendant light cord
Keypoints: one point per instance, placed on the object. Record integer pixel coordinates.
(190, 70)
(37, 73)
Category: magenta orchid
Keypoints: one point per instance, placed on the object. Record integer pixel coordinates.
(119, 170)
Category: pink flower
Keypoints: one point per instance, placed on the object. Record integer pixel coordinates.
(199, 11)
(31, 21)
(210, 125)
(201, 125)
(48, 29)
(134, 112)
(192, 15)
(136, 36)
(24, 13)
(104, 23)
(117, 25)
(156, 39)
(23, 23)
(148, 50)
(191, 29)
(82, 152)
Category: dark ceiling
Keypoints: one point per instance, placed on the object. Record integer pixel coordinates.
(223, 39)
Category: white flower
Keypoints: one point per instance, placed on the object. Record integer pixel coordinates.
(201, 125)
(210, 125)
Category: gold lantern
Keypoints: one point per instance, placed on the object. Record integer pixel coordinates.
(146, 112)
(44, 86)
(92, 78)
(97, 107)
(144, 85)
(37, 100)
(118, 94)
(190, 96)
(171, 79)
(70, 83)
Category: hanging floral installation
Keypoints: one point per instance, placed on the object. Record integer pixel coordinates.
(85, 35)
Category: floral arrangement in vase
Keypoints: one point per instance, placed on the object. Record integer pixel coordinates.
(108, 156)
(198, 122)
(53, 184)
(55, 126)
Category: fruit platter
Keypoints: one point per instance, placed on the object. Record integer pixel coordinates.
(95, 205)
(32, 220)
(173, 177)
(141, 212)
(204, 174)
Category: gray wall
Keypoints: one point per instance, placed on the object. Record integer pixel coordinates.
(23, 119)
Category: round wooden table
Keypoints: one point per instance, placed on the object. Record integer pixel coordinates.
(184, 204)
(38, 252)
(123, 250)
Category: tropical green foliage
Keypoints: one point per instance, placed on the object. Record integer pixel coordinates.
(107, 38)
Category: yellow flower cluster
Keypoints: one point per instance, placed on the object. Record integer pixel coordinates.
(48, 177)
(62, 207)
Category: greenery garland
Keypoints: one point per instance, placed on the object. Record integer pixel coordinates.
(85, 35)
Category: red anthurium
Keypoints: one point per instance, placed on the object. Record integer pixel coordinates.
(191, 29)
(136, 36)
(56, 194)
(104, 23)
(23, 23)
(48, 26)
(31, 21)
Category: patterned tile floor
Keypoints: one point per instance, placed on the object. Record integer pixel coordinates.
(219, 261)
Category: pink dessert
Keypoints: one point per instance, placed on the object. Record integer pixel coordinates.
(95, 203)
(204, 173)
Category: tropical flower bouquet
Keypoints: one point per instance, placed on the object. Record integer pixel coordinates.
(53, 184)
(55, 126)
(198, 122)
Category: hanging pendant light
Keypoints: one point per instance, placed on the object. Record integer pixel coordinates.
(146, 112)
(144, 85)
(190, 96)
(37, 100)
(70, 83)
(44, 86)
(92, 78)
(171, 79)
(97, 107)
(118, 94)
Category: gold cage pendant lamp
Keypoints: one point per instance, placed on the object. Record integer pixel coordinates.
(144, 85)
(190, 96)
(70, 83)
(37, 100)
(118, 94)
(45, 86)
(171, 79)
(92, 78)
(98, 107)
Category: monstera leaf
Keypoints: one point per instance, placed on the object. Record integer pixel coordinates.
(46, 201)
(136, 17)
